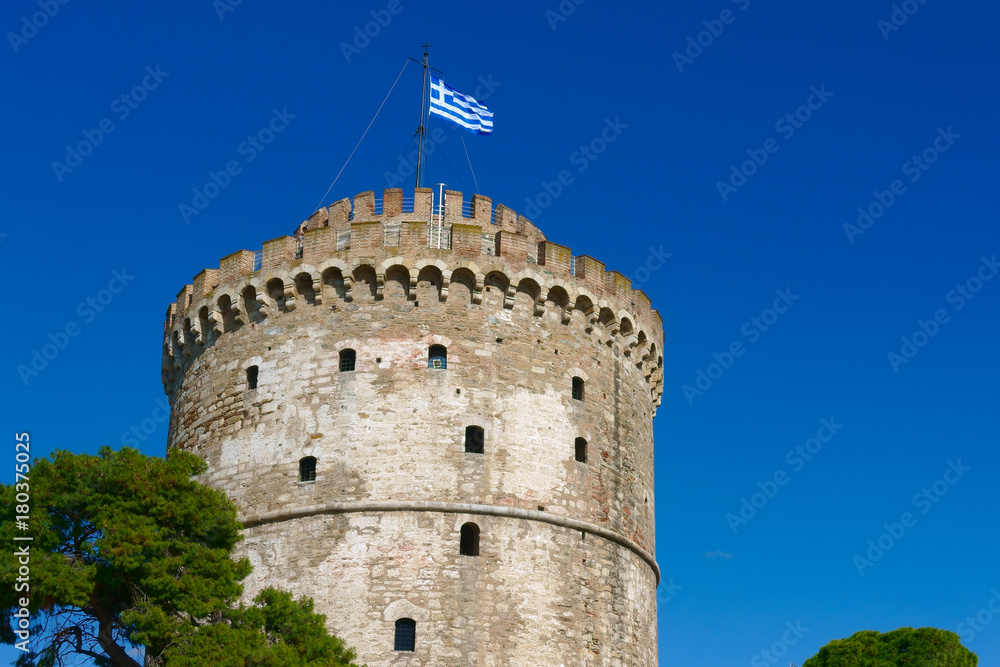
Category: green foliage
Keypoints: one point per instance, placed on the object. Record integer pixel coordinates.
(276, 631)
(905, 647)
(129, 551)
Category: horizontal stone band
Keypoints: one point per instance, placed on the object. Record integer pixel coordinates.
(452, 508)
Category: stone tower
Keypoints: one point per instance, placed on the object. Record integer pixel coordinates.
(438, 425)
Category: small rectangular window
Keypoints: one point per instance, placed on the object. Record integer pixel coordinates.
(252, 377)
(578, 388)
(475, 437)
(347, 360)
(406, 635)
(307, 469)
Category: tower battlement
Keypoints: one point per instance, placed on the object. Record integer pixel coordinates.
(345, 244)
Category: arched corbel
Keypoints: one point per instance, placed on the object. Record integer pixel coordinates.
(289, 289)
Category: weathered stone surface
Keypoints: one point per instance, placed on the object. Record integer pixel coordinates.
(565, 574)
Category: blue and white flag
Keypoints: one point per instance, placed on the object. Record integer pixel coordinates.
(459, 108)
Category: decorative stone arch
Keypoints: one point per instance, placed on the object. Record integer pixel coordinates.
(585, 304)
(203, 332)
(627, 331)
(187, 336)
(365, 274)
(400, 270)
(429, 281)
(252, 361)
(559, 296)
(396, 283)
(405, 609)
(229, 305)
(335, 280)
(347, 344)
(306, 284)
(496, 277)
(390, 262)
(468, 276)
(608, 321)
(260, 306)
(176, 348)
(530, 288)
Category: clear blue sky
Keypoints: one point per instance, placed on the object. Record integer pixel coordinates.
(881, 102)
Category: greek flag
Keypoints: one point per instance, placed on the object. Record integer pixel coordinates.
(459, 108)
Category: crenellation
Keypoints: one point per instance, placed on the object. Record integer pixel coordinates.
(590, 271)
(320, 218)
(277, 252)
(423, 202)
(618, 285)
(204, 283)
(392, 203)
(505, 219)
(318, 244)
(234, 266)
(184, 299)
(366, 237)
(340, 213)
(413, 236)
(555, 258)
(482, 209)
(364, 206)
(452, 206)
(512, 246)
(466, 240)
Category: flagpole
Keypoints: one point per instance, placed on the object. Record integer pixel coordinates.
(421, 129)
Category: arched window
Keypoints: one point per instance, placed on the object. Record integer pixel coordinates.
(437, 357)
(475, 436)
(347, 359)
(578, 388)
(581, 450)
(252, 377)
(307, 469)
(406, 635)
(469, 545)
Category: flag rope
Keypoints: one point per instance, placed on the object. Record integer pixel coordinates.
(470, 166)
(323, 198)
